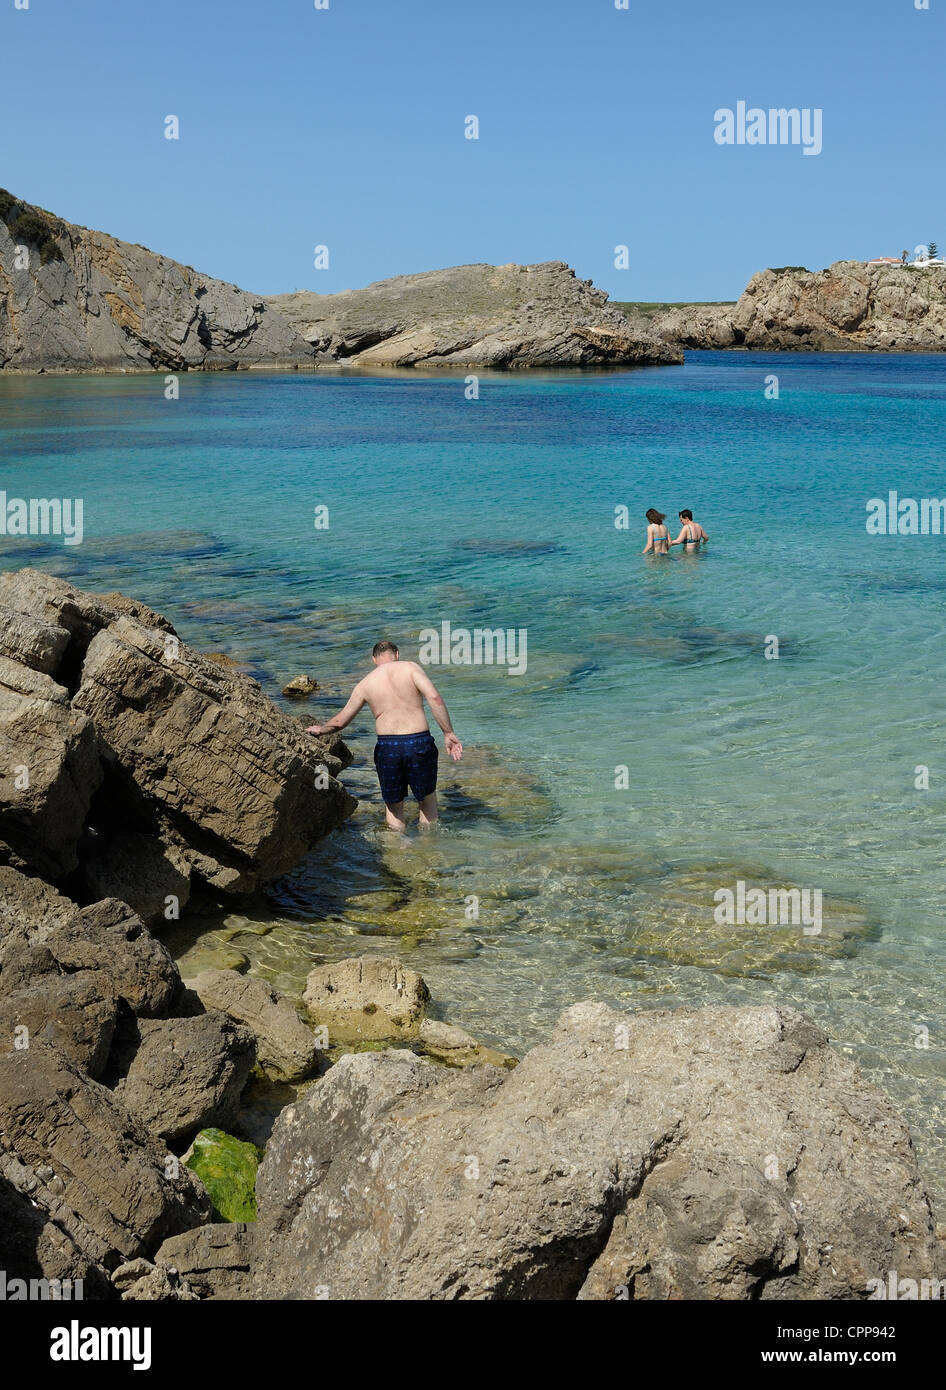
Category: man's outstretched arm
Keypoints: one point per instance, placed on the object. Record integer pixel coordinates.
(438, 709)
(345, 716)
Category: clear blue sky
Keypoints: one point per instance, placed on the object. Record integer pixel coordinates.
(345, 127)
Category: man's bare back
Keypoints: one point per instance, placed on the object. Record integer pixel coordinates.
(395, 692)
(395, 697)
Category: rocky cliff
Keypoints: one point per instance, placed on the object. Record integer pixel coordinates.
(79, 300)
(73, 299)
(474, 316)
(850, 307)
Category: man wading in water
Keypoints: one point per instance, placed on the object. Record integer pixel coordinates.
(405, 754)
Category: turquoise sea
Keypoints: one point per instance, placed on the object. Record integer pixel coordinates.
(546, 883)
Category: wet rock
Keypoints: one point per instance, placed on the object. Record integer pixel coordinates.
(227, 1168)
(286, 1048)
(447, 1043)
(367, 997)
(300, 688)
(567, 1177)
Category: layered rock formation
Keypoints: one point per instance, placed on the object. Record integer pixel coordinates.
(137, 767)
(473, 316)
(74, 299)
(850, 307)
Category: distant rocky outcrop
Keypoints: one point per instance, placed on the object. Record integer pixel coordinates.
(850, 307)
(80, 300)
(473, 316)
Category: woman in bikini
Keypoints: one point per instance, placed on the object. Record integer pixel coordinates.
(658, 537)
(692, 532)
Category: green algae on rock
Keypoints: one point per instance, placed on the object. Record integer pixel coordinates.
(227, 1168)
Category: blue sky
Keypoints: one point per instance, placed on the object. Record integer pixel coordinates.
(345, 127)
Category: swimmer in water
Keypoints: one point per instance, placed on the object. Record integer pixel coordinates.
(658, 537)
(692, 532)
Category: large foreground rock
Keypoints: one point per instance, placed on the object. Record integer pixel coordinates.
(717, 1153)
(473, 316)
(124, 749)
(239, 786)
(81, 1174)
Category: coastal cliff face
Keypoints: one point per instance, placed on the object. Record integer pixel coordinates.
(850, 307)
(78, 300)
(474, 316)
(74, 299)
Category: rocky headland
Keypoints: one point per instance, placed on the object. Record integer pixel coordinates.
(850, 307)
(72, 299)
(209, 1137)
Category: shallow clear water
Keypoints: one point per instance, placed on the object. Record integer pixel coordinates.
(798, 770)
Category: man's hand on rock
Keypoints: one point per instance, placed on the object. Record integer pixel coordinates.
(314, 729)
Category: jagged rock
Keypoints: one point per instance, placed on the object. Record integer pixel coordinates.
(180, 1075)
(46, 938)
(851, 306)
(33, 1247)
(88, 301)
(141, 1281)
(76, 1012)
(50, 769)
(153, 878)
(285, 1047)
(242, 790)
(215, 1260)
(473, 315)
(99, 1181)
(300, 688)
(368, 997)
(568, 1177)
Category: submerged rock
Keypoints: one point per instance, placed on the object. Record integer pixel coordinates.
(368, 997)
(300, 688)
(715, 1154)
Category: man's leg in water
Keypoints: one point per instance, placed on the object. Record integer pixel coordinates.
(428, 813)
(394, 816)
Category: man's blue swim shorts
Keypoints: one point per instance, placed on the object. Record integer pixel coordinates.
(403, 760)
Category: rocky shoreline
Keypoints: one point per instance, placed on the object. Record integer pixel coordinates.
(77, 300)
(850, 307)
(209, 1137)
